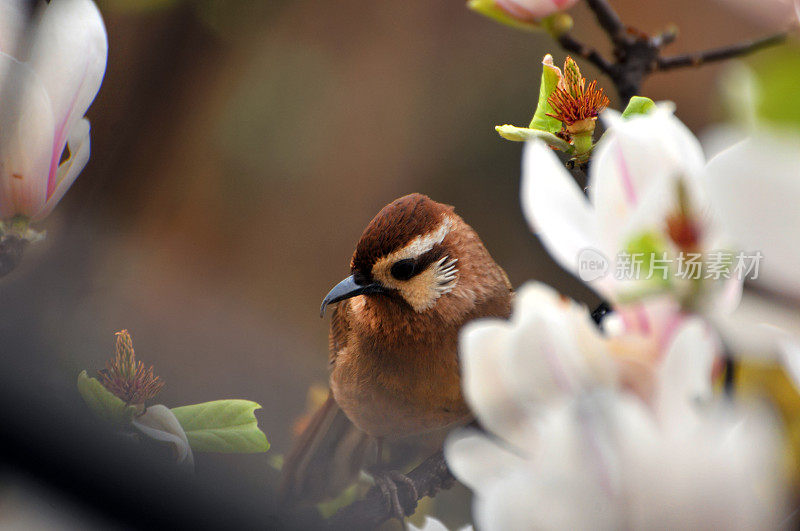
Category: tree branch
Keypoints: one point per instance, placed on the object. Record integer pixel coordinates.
(608, 18)
(571, 44)
(718, 54)
(431, 476)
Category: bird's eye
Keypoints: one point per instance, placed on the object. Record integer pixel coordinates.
(404, 269)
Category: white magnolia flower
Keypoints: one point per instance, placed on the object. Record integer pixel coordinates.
(571, 447)
(52, 61)
(646, 218)
(755, 189)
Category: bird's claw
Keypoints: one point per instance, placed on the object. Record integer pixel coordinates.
(387, 482)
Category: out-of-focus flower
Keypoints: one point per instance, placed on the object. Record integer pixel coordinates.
(769, 13)
(524, 14)
(52, 61)
(752, 186)
(159, 423)
(571, 447)
(432, 524)
(646, 227)
(755, 188)
(566, 112)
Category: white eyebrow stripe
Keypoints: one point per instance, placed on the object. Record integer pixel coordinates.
(424, 243)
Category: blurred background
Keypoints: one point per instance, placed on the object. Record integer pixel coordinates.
(238, 150)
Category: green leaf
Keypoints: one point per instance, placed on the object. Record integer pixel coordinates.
(522, 134)
(225, 426)
(103, 402)
(488, 8)
(638, 105)
(551, 75)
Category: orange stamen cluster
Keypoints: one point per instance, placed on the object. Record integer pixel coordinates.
(127, 378)
(573, 100)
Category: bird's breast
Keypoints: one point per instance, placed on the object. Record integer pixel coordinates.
(390, 392)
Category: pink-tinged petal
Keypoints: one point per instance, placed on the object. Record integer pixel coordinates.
(555, 206)
(79, 148)
(634, 155)
(755, 191)
(533, 9)
(68, 53)
(26, 138)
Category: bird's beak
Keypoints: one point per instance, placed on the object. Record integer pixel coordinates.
(348, 288)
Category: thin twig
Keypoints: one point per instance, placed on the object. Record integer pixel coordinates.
(431, 476)
(719, 54)
(608, 18)
(571, 44)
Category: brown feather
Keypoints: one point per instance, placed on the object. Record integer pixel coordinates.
(394, 226)
(325, 459)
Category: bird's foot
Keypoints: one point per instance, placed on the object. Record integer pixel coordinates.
(387, 482)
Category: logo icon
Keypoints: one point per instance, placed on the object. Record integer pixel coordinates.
(592, 264)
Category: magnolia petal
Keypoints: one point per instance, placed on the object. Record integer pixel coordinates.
(79, 147)
(534, 9)
(160, 424)
(15, 16)
(556, 351)
(757, 326)
(484, 350)
(478, 461)
(759, 207)
(68, 53)
(555, 207)
(790, 354)
(26, 139)
(684, 377)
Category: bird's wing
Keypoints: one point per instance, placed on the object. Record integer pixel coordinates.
(325, 459)
(340, 328)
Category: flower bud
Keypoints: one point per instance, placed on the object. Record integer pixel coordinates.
(522, 14)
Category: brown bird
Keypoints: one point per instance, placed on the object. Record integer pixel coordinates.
(418, 274)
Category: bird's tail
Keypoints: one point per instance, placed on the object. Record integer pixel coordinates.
(326, 458)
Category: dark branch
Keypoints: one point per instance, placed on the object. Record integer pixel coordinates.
(666, 38)
(571, 44)
(608, 18)
(719, 54)
(431, 476)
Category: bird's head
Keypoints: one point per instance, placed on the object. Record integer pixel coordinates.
(413, 253)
